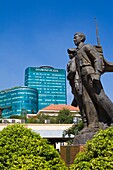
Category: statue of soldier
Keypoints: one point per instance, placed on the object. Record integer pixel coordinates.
(90, 63)
(81, 97)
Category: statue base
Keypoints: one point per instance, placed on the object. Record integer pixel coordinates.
(68, 153)
(82, 139)
(87, 133)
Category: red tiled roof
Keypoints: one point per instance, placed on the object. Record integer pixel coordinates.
(60, 107)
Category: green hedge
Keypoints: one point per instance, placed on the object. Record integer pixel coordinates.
(98, 154)
(22, 149)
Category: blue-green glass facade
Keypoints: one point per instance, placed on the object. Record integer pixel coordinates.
(50, 83)
(18, 100)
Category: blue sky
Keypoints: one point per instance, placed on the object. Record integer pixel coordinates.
(38, 32)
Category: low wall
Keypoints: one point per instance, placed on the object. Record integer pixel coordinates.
(68, 153)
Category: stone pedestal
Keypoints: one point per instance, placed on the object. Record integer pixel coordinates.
(68, 153)
(87, 133)
(83, 138)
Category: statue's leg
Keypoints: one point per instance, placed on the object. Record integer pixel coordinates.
(103, 116)
(90, 110)
(103, 104)
(77, 101)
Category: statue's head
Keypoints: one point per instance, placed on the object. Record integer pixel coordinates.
(79, 37)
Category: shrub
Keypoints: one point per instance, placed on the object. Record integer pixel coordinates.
(73, 130)
(22, 149)
(98, 154)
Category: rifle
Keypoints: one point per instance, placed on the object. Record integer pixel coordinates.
(106, 65)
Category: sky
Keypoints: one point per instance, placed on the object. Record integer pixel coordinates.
(34, 33)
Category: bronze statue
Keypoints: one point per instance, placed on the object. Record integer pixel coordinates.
(84, 69)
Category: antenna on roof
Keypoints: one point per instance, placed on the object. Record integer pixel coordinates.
(97, 36)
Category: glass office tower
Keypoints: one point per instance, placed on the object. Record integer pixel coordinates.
(50, 83)
(18, 100)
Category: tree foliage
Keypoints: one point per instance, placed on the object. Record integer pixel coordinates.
(74, 129)
(17, 117)
(98, 153)
(22, 149)
(42, 117)
(32, 120)
(65, 116)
